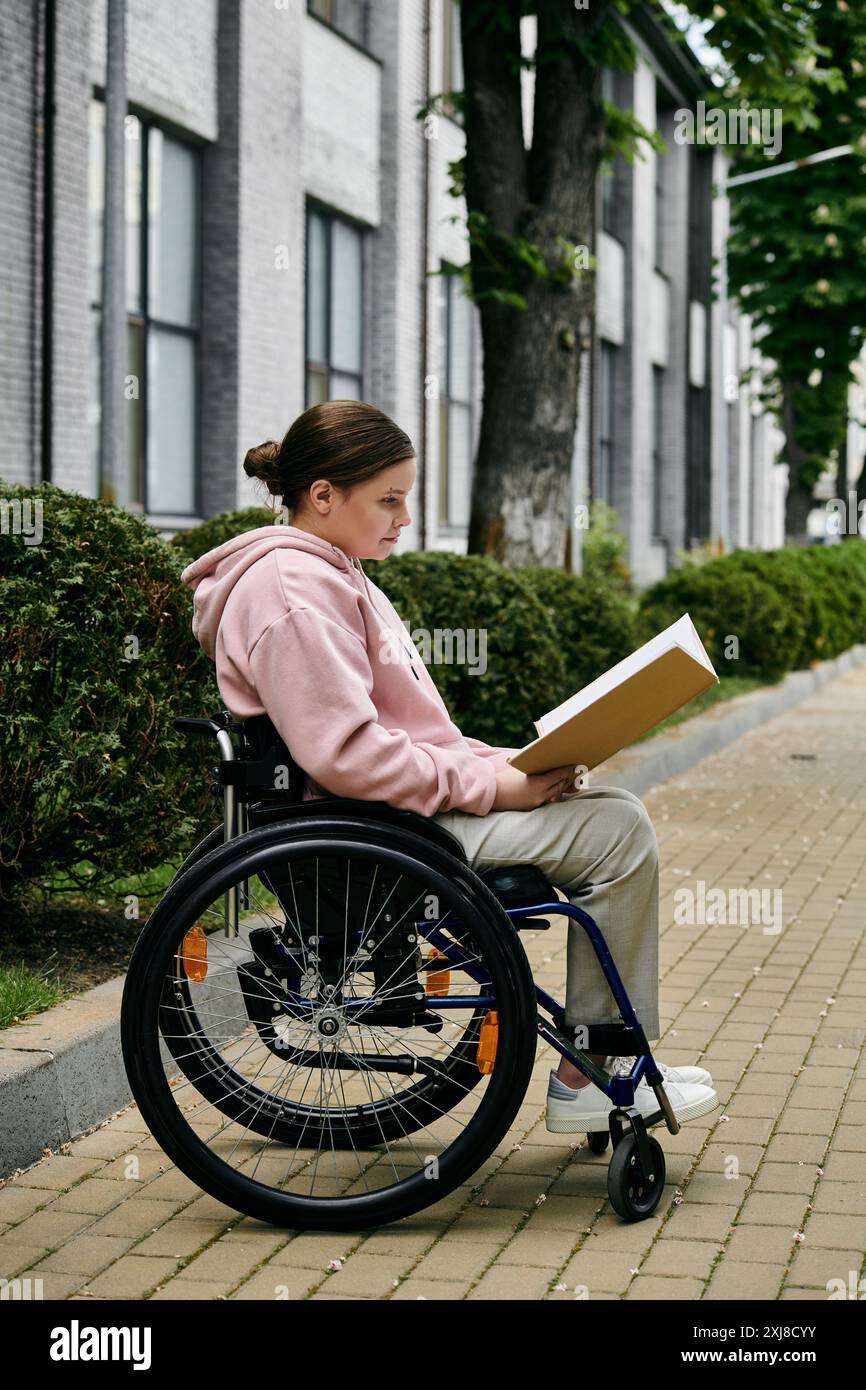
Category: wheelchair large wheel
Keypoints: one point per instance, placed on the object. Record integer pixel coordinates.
(347, 1059)
(458, 1067)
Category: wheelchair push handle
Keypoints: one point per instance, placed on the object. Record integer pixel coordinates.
(217, 724)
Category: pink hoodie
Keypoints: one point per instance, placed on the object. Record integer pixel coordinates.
(298, 632)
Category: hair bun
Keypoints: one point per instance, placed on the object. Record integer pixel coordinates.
(260, 462)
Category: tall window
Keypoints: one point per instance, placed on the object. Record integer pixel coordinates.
(698, 412)
(452, 55)
(348, 16)
(664, 122)
(606, 421)
(334, 309)
(658, 422)
(661, 170)
(615, 181)
(163, 268)
(456, 416)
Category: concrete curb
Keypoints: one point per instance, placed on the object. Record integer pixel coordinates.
(62, 1071)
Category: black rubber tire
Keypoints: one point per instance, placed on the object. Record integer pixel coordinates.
(211, 841)
(633, 1195)
(195, 889)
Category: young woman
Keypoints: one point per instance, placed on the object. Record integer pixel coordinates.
(298, 631)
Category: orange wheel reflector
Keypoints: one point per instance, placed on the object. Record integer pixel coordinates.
(438, 981)
(487, 1040)
(194, 953)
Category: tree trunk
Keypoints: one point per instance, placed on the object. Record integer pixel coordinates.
(521, 490)
(799, 501)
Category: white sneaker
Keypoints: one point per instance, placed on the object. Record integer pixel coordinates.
(689, 1076)
(588, 1109)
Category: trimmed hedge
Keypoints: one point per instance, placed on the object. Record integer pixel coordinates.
(596, 626)
(788, 608)
(838, 573)
(98, 657)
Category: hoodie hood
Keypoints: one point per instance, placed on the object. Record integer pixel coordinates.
(214, 575)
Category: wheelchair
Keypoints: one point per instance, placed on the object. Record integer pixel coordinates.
(329, 1021)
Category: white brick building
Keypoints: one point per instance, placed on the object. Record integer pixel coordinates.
(284, 211)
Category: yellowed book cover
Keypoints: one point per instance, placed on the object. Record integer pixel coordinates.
(623, 703)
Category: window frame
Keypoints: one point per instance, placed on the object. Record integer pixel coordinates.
(606, 444)
(444, 525)
(614, 191)
(665, 106)
(698, 403)
(142, 320)
(450, 38)
(658, 389)
(333, 7)
(329, 216)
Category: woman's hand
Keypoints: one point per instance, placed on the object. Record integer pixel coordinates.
(523, 791)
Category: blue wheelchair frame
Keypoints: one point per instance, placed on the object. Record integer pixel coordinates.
(619, 1089)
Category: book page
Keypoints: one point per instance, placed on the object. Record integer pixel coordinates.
(682, 633)
(695, 646)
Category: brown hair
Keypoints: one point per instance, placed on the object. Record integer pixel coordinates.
(344, 441)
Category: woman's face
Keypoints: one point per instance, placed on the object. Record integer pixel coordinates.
(360, 522)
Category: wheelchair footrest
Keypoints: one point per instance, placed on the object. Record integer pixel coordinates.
(613, 1039)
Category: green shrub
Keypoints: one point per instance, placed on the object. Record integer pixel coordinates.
(724, 601)
(788, 607)
(98, 658)
(838, 574)
(700, 554)
(595, 625)
(603, 557)
(805, 611)
(192, 544)
(470, 593)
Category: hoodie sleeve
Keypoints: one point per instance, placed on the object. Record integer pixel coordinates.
(498, 756)
(313, 676)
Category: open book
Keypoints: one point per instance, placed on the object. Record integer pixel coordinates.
(632, 697)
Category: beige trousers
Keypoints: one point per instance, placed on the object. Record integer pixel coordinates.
(600, 848)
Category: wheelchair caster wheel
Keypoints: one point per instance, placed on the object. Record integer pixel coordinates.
(633, 1193)
(597, 1141)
